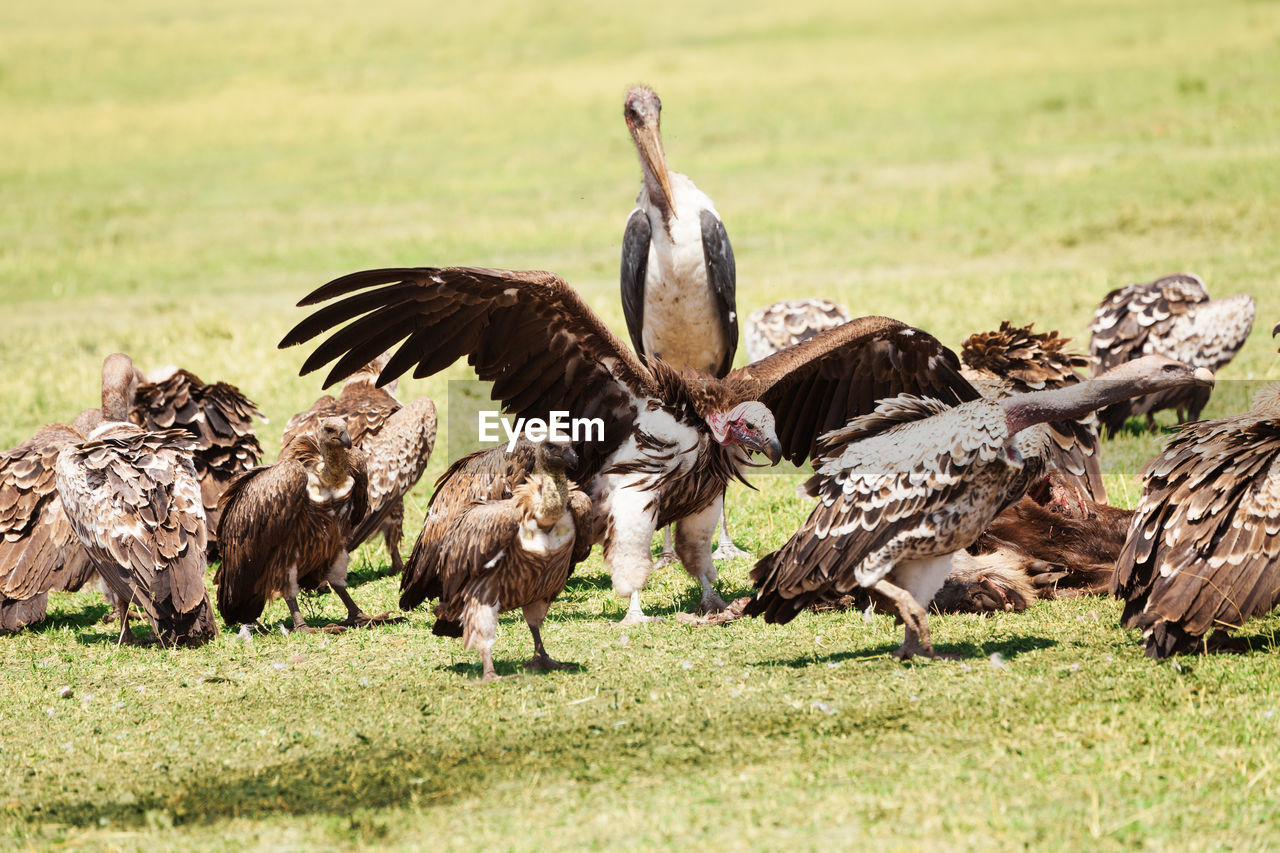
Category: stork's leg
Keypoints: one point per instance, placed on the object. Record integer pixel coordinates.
(693, 544)
(392, 532)
(626, 549)
(533, 616)
(668, 555)
(725, 549)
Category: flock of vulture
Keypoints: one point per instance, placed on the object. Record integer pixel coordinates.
(961, 482)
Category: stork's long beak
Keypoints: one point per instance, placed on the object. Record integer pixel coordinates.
(649, 144)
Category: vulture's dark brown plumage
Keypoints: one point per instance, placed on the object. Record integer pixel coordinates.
(672, 441)
(134, 501)
(1171, 316)
(1203, 552)
(396, 440)
(1017, 360)
(218, 416)
(503, 530)
(286, 526)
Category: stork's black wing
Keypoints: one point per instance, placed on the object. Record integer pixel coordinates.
(722, 275)
(635, 262)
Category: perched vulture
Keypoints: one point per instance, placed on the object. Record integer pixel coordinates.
(285, 527)
(396, 441)
(783, 324)
(39, 550)
(218, 416)
(1016, 360)
(1171, 316)
(901, 490)
(503, 530)
(134, 501)
(1203, 552)
(678, 275)
(671, 441)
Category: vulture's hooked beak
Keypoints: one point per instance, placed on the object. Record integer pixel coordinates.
(1203, 376)
(756, 442)
(344, 438)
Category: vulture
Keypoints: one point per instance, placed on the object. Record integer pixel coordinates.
(286, 527)
(787, 323)
(396, 441)
(1016, 360)
(678, 275)
(902, 489)
(1203, 552)
(39, 550)
(1171, 316)
(134, 501)
(220, 418)
(503, 530)
(671, 440)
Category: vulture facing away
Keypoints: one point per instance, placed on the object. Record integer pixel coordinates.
(672, 441)
(396, 441)
(1017, 361)
(901, 490)
(784, 324)
(678, 275)
(134, 500)
(217, 415)
(504, 530)
(1203, 552)
(285, 527)
(1171, 316)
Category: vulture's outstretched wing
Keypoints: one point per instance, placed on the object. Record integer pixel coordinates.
(1204, 547)
(818, 385)
(39, 551)
(722, 275)
(134, 501)
(527, 332)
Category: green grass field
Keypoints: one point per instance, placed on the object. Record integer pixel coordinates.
(171, 182)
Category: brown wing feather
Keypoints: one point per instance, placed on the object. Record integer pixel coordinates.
(39, 551)
(527, 332)
(820, 384)
(397, 454)
(134, 501)
(1204, 548)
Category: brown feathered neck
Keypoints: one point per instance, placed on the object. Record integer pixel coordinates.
(543, 497)
(119, 381)
(691, 395)
(330, 463)
(1036, 359)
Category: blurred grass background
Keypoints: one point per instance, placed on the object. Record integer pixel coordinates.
(173, 179)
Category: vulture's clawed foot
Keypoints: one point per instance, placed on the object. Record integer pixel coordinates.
(1222, 643)
(545, 662)
(128, 638)
(364, 620)
(726, 550)
(666, 558)
(636, 617)
(711, 602)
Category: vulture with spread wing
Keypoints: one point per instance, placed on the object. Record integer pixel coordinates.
(1203, 552)
(503, 530)
(904, 488)
(1171, 316)
(134, 500)
(672, 440)
(678, 276)
(396, 440)
(220, 419)
(286, 527)
(1016, 360)
(784, 324)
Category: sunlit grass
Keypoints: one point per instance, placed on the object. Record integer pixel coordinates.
(172, 181)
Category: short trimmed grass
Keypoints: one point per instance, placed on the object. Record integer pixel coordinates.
(171, 182)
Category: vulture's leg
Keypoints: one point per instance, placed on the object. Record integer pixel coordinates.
(533, 615)
(392, 532)
(627, 550)
(1151, 422)
(337, 578)
(480, 630)
(300, 625)
(725, 549)
(122, 613)
(914, 617)
(693, 544)
(668, 555)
